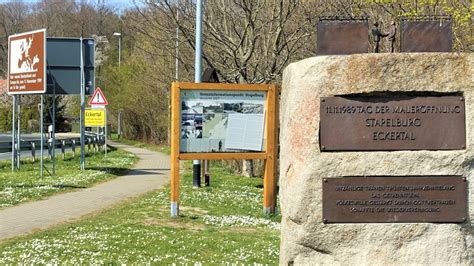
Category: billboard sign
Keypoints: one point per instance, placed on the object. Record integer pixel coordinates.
(95, 118)
(222, 121)
(64, 65)
(27, 62)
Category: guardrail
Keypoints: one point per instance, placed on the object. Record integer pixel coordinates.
(93, 143)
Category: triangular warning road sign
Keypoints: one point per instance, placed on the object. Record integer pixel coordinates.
(98, 98)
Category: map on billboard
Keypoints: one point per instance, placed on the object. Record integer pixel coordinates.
(27, 62)
(222, 121)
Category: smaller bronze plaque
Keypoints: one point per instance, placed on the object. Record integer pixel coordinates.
(388, 123)
(426, 36)
(342, 37)
(394, 199)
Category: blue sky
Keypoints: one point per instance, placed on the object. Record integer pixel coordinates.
(119, 4)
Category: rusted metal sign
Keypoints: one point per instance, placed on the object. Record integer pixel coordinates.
(394, 199)
(342, 37)
(426, 36)
(392, 123)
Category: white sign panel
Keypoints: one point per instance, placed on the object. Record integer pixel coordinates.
(222, 121)
(245, 132)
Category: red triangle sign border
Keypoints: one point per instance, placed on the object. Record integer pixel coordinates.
(97, 92)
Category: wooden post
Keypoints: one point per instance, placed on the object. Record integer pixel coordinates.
(175, 138)
(269, 179)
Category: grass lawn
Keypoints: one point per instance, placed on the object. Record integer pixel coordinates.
(152, 147)
(221, 224)
(27, 185)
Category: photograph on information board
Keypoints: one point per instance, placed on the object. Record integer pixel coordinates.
(222, 121)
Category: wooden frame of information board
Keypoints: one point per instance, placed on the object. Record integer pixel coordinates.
(270, 136)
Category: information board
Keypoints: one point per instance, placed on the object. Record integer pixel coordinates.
(222, 121)
(94, 118)
(27, 62)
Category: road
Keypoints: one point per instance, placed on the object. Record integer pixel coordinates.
(6, 137)
(27, 154)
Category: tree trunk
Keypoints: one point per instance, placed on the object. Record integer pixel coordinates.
(247, 168)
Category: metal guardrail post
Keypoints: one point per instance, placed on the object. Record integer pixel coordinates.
(73, 148)
(50, 151)
(63, 149)
(33, 151)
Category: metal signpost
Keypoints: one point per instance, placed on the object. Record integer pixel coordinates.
(197, 79)
(71, 71)
(99, 116)
(26, 75)
(40, 65)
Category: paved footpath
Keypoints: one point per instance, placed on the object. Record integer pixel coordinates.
(151, 172)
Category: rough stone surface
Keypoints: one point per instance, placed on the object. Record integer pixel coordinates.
(305, 240)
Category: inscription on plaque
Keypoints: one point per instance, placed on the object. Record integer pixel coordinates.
(392, 123)
(394, 199)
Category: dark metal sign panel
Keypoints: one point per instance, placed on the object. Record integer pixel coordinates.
(392, 123)
(342, 37)
(64, 65)
(394, 199)
(426, 36)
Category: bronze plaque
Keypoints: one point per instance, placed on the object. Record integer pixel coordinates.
(342, 37)
(394, 199)
(392, 123)
(426, 36)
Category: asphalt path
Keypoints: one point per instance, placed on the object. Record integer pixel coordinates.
(151, 172)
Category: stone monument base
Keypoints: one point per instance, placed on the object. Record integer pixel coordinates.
(305, 238)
